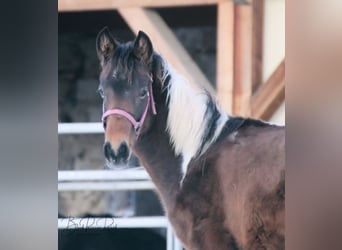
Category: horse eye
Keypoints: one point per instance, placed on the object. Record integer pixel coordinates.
(143, 93)
(101, 93)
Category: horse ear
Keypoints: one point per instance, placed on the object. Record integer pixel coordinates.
(143, 48)
(105, 45)
(158, 69)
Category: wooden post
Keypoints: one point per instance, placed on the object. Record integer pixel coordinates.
(86, 5)
(225, 55)
(166, 43)
(270, 95)
(257, 43)
(243, 60)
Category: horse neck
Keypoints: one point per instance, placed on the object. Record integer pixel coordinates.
(157, 156)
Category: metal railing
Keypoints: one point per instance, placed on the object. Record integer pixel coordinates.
(104, 180)
(80, 128)
(78, 180)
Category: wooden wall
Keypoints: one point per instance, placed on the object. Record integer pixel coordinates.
(239, 86)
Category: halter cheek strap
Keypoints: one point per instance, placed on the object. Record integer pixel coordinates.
(136, 124)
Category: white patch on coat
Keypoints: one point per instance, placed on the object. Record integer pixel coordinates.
(187, 121)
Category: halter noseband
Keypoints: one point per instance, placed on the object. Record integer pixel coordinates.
(136, 124)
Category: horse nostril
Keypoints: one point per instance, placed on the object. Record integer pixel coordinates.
(123, 153)
(108, 151)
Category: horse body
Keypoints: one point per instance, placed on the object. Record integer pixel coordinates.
(220, 178)
(228, 200)
(251, 173)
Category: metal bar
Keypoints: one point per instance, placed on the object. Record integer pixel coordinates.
(169, 237)
(105, 186)
(80, 128)
(177, 244)
(102, 175)
(134, 222)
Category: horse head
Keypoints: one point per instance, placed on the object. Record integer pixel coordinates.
(130, 73)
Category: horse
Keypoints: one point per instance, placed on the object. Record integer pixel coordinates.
(220, 178)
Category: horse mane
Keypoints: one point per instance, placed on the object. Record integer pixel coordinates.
(194, 120)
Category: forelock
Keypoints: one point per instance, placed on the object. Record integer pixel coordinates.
(123, 62)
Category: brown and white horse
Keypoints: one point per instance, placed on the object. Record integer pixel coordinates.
(221, 179)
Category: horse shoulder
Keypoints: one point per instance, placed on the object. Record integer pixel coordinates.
(198, 214)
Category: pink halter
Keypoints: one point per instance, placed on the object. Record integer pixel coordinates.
(136, 124)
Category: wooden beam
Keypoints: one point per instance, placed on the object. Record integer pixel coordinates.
(225, 55)
(270, 95)
(243, 60)
(88, 5)
(257, 43)
(165, 42)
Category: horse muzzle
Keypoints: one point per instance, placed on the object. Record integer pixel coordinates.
(117, 157)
